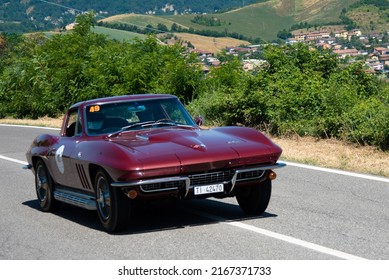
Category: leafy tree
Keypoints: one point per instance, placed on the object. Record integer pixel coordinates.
(284, 34)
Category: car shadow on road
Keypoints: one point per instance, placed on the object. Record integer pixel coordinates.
(162, 216)
(72, 213)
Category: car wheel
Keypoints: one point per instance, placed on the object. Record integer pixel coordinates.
(44, 187)
(113, 207)
(255, 199)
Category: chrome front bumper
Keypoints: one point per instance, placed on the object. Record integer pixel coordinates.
(190, 181)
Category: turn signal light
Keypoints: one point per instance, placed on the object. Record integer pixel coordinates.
(272, 175)
(132, 194)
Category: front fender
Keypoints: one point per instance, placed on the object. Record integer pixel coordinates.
(40, 147)
(118, 161)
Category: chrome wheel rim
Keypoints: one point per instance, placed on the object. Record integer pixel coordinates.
(41, 184)
(103, 198)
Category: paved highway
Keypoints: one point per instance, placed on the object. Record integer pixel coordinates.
(313, 214)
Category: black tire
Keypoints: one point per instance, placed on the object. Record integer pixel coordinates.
(255, 199)
(44, 187)
(113, 208)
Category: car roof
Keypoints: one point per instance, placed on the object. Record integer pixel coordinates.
(120, 98)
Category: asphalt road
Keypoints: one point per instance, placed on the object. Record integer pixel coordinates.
(313, 214)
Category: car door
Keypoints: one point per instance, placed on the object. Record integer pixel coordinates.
(60, 157)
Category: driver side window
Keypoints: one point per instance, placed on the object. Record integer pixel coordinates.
(74, 127)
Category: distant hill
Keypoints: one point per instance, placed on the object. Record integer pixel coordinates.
(370, 15)
(250, 18)
(260, 20)
(35, 15)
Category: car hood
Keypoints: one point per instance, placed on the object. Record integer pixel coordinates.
(197, 150)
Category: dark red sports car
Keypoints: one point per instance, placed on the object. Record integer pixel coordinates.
(113, 151)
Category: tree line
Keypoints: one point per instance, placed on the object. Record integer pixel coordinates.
(298, 91)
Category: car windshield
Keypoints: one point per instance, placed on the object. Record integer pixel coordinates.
(113, 118)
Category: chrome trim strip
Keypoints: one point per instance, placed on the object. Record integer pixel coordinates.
(187, 179)
(157, 190)
(151, 181)
(264, 168)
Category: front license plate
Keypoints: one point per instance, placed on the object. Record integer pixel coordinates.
(208, 189)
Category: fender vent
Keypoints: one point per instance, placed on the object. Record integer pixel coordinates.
(83, 177)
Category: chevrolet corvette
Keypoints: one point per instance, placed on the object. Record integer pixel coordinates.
(111, 152)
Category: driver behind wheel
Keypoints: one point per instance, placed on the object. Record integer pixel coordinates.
(95, 121)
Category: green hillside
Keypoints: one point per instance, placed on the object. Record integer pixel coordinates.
(261, 20)
(119, 35)
(318, 11)
(265, 20)
(370, 18)
(141, 20)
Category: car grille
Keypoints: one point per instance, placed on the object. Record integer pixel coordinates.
(163, 186)
(211, 178)
(250, 175)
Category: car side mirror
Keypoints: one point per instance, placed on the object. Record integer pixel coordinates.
(199, 120)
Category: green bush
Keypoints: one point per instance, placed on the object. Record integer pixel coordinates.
(368, 123)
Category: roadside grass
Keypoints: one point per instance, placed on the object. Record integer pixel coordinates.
(330, 153)
(335, 154)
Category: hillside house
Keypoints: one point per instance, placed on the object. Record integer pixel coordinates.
(317, 35)
(254, 48)
(384, 59)
(347, 53)
(212, 61)
(354, 33)
(253, 64)
(299, 37)
(311, 36)
(238, 50)
(381, 51)
(323, 45)
(202, 53)
(373, 63)
(341, 34)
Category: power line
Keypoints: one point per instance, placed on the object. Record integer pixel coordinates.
(62, 6)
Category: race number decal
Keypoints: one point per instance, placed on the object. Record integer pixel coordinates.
(58, 159)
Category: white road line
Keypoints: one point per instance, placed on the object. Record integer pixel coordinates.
(296, 241)
(13, 160)
(285, 238)
(339, 172)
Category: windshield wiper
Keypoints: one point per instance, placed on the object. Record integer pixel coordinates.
(171, 123)
(128, 127)
(167, 122)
